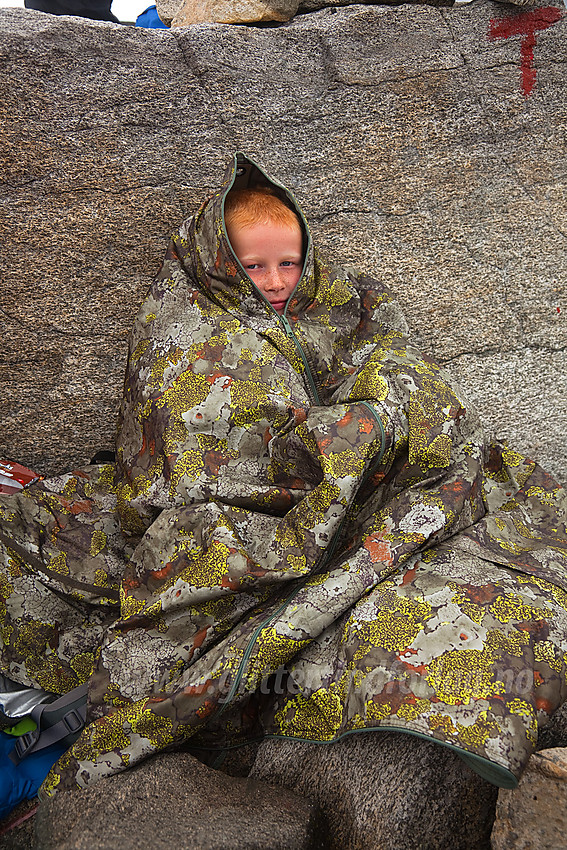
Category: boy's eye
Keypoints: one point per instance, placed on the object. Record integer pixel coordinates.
(253, 266)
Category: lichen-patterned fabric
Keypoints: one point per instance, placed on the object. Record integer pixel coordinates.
(305, 534)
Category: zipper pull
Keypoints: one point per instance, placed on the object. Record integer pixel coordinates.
(287, 327)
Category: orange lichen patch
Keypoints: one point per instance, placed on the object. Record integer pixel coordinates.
(213, 460)
(200, 637)
(216, 374)
(422, 669)
(206, 709)
(379, 550)
(481, 594)
(324, 443)
(129, 583)
(454, 487)
(410, 575)
(366, 425)
(83, 507)
(165, 572)
(546, 705)
(299, 415)
(197, 690)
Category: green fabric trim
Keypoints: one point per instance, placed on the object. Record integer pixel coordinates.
(26, 724)
(494, 773)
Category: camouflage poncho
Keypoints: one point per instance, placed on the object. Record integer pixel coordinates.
(305, 535)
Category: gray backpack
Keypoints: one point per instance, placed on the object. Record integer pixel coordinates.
(57, 719)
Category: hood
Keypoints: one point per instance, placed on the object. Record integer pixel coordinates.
(203, 247)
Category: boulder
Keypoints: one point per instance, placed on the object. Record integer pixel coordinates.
(534, 815)
(183, 13)
(187, 12)
(314, 5)
(385, 790)
(424, 144)
(172, 800)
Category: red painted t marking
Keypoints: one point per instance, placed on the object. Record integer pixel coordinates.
(525, 24)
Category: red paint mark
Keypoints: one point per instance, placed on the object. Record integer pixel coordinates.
(559, 309)
(525, 24)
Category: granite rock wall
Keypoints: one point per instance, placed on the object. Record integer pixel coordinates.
(425, 145)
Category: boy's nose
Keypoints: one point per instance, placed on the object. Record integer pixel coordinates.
(273, 280)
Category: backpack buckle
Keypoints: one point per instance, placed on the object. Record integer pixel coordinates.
(25, 743)
(73, 721)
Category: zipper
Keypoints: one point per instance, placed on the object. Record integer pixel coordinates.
(252, 643)
(376, 460)
(284, 321)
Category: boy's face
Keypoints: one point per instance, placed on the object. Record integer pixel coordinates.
(272, 256)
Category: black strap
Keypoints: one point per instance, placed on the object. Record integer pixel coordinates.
(61, 720)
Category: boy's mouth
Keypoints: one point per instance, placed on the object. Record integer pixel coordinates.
(278, 305)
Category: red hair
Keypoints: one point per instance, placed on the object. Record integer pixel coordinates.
(246, 207)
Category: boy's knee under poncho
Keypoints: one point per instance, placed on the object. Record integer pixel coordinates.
(305, 535)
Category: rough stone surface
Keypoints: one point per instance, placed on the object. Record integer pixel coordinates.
(383, 791)
(175, 801)
(315, 5)
(228, 11)
(534, 815)
(181, 13)
(17, 829)
(186, 12)
(555, 733)
(167, 10)
(405, 132)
